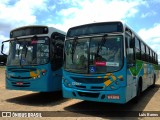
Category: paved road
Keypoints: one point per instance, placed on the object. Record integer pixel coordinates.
(11, 100)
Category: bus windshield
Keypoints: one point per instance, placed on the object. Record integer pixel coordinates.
(29, 51)
(94, 55)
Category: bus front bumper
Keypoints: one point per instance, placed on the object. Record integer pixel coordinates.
(114, 96)
(27, 85)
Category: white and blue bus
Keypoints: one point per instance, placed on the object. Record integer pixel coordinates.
(35, 59)
(107, 62)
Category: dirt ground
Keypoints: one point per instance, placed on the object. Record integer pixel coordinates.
(72, 109)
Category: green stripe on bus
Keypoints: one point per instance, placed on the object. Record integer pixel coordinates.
(133, 70)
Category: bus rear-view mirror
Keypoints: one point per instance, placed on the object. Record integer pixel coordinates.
(2, 48)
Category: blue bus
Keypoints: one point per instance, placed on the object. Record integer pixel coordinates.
(35, 58)
(107, 62)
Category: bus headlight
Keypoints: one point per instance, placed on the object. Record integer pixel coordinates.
(66, 83)
(44, 72)
(116, 82)
(112, 87)
(8, 76)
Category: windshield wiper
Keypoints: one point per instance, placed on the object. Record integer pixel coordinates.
(26, 47)
(74, 44)
(19, 50)
(102, 42)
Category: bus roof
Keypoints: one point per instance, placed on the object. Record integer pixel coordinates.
(95, 28)
(95, 23)
(34, 30)
(39, 26)
(28, 26)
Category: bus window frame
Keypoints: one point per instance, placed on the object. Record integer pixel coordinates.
(130, 49)
(16, 39)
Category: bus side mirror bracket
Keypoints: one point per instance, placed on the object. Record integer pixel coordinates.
(2, 47)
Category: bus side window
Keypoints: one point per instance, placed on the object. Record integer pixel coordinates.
(57, 44)
(137, 49)
(129, 52)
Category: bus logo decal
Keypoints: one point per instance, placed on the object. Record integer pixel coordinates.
(92, 69)
(111, 78)
(33, 74)
(100, 63)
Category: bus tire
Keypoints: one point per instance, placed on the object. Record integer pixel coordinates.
(139, 91)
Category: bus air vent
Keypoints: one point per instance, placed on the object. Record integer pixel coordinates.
(23, 84)
(96, 87)
(87, 94)
(89, 80)
(80, 86)
(20, 77)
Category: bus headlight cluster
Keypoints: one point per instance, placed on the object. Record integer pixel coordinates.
(36, 77)
(116, 82)
(66, 83)
(8, 76)
(112, 87)
(44, 72)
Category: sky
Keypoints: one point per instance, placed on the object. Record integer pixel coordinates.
(142, 16)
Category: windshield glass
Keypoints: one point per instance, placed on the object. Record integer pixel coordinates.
(76, 55)
(29, 51)
(94, 55)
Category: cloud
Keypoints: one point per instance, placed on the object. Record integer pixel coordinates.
(52, 7)
(4, 1)
(68, 12)
(152, 37)
(21, 12)
(148, 14)
(15, 13)
(152, 33)
(89, 11)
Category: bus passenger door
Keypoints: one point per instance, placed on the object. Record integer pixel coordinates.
(57, 44)
(131, 69)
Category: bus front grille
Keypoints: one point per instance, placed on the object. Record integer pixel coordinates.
(80, 86)
(87, 94)
(19, 77)
(89, 80)
(20, 84)
(97, 87)
(20, 70)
